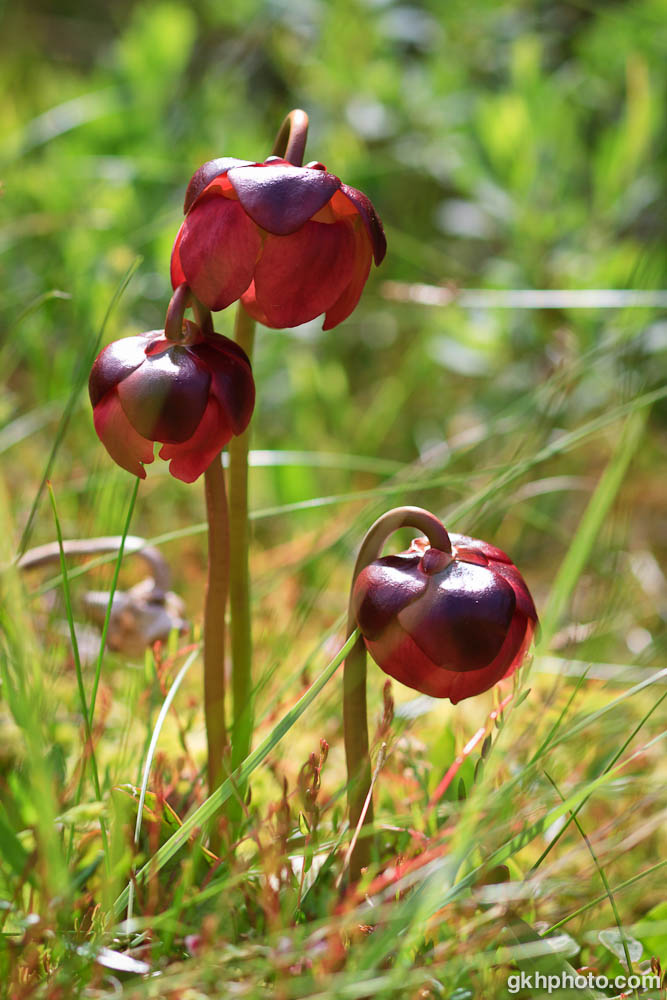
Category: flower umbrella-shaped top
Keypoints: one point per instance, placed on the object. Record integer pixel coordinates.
(192, 397)
(449, 624)
(290, 242)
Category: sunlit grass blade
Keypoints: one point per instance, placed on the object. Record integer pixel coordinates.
(616, 757)
(535, 956)
(440, 883)
(79, 379)
(166, 705)
(600, 899)
(26, 704)
(112, 591)
(601, 873)
(210, 807)
(591, 523)
(89, 751)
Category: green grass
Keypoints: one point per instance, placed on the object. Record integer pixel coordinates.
(506, 146)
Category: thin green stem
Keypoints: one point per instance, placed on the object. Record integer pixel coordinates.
(355, 720)
(239, 577)
(214, 622)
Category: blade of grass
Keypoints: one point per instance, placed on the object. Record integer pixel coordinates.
(601, 873)
(600, 899)
(594, 516)
(171, 694)
(78, 381)
(30, 705)
(90, 749)
(405, 922)
(210, 807)
(619, 753)
(112, 591)
(535, 955)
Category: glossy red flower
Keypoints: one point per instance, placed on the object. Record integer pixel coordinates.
(192, 396)
(448, 624)
(290, 242)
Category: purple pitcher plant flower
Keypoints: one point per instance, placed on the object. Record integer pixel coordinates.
(191, 396)
(290, 242)
(450, 624)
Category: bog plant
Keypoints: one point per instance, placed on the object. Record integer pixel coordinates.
(451, 616)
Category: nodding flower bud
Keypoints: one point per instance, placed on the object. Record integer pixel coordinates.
(447, 624)
(191, 396)
(290, 242)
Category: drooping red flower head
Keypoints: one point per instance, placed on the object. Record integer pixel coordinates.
(192, 397)
(290, 242)
(450, 625)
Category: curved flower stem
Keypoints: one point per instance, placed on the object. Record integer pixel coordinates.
(182, 299)
(202, 314)
(355, 720)
(239, 578)
(214, 622)
(291, 139)
(179, 302)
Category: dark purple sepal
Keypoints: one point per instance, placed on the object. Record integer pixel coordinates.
(118, 360)
(232, 383)
(383, 589)
(280, 199)
(224, 345)
(165, 399)
(463, 617)
(207, 173)
(524, 601)
(371, 221)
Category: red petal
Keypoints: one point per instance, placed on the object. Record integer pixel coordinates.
(281, 198)
(474, 556)
(232, 383)
(524, 601)
(249, 300)
(127, 448)
(520, 654)
(302, 275)
(190, 459)
(510, 656)
(347, 302)
(370, 218)
(400, 657)
(218, 250)
(177, 276)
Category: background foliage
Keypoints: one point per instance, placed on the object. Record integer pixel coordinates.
(516, 145)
